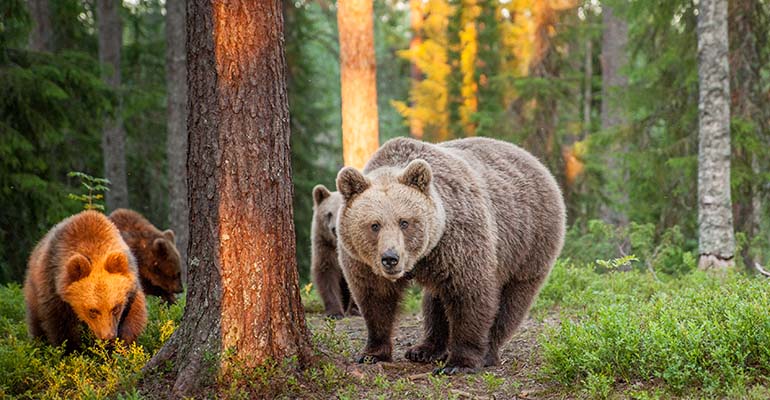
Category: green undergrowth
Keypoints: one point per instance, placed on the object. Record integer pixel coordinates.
(32, 369)
(696, 335)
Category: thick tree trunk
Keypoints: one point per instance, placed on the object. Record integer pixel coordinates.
(715, 220)
(176, 142)
(358, 74)
(416, 126)
(243, 286)
(113, 135)
(614, 86)
(41, 35)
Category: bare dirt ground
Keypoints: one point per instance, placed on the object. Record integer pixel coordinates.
(514, 378)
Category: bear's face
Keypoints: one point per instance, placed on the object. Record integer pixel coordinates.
(165, 265)
(391, 218)
(98, 295)
(326, 206)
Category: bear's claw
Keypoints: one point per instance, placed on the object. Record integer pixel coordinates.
(425, 354)
(369, 359)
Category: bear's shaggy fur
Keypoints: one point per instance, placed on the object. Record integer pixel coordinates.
(82, 271)
(156, 254)
(325, 268)
(477, 222)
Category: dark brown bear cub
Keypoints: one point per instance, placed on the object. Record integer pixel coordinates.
(82, 271)
(325, 268)
(155, 252)
(478, 223)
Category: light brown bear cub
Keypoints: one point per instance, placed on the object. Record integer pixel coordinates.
(325, 268)
(478, 223)
(82, 271)
(156, 254)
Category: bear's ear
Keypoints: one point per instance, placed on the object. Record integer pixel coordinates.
(160, 247)
(320, 193)
(417, 175)
(77, 267)
(116, 263)
(169, 235)
(351, 183)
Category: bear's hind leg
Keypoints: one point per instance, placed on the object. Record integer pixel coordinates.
(327, 281)
(436, 327)
(515, 299)
(348, 304)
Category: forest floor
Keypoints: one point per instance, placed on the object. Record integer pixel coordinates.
(514, 378)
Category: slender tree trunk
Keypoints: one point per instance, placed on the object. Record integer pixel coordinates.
(588, 89)
(746, 60)
(715, 220)
(243, 286)
(416, 126)
(614, 86)
(41, 35)
(358, 74)
(113, 136)
(176, 142)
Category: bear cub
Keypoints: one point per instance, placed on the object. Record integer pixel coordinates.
(325, 268)
(155, 251)
(477, 222)
(83, 272)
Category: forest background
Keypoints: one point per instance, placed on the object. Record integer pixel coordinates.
(605, 93)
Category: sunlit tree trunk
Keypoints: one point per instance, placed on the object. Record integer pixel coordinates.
(715, 220)
(176, 126)
(113, 135)
(41, 35)
(243, 291)
(358, 75)
(614, 86)
(416, 126)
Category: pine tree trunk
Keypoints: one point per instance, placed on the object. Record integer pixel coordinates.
(715, 221)
(113, 135)
(176, 142)
(243, 293)
(588, 88)
(358, 75)
(416, 126)
(41, 35)
(614, 85)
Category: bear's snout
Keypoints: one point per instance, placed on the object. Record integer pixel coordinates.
(389, 260)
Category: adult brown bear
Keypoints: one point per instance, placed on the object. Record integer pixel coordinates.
(477, 222)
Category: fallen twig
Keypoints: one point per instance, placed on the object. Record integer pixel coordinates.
(761, 270)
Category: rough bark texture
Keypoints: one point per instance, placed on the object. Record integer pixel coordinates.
(113, 135)
(746, 59)
(416, 126)
(176, 142)
(715, 220)
(358, 74)
(41, 35)
(243, 284)
(614, 85)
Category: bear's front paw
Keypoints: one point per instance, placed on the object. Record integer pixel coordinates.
(372, 359)
(334, 315)
(425, 353)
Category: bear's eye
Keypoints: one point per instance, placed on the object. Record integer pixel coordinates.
(93, 313)
(404, 224)
(375, 227)
(329, 215)
(116, 310)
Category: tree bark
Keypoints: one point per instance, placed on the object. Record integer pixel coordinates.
(113, 136)
(41, 35)
(588, 89)
(243, 294)
(614, 86)
(358, 75)
(715, 221)
(176, 142)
